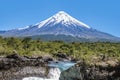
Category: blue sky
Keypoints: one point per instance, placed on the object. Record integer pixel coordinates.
(103, 15)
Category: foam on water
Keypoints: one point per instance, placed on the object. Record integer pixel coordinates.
(36, 78)
(54, 74)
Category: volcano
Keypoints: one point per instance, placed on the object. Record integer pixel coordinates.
(61, 26)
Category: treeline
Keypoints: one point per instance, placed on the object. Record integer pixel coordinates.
(86, 50)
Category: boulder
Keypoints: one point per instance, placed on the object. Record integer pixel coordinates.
(47, 59)
(13, 56)
(61, 55)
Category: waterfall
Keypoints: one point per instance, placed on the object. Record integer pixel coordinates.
(53, 74)
(54, 71)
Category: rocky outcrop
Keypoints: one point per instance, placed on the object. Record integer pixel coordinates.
(14, 60)
(83, 71)
(16, 67)
(18, 73)
(22, 66)
(25, 66)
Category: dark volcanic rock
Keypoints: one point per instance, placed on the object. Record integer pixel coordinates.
(32, 66)
(61, 55)
(47, 59)
(13, 56)
(82, 71)
(21, 67)
(20, 72)
(16, 60)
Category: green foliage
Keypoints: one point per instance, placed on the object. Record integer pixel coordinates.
(79, 50)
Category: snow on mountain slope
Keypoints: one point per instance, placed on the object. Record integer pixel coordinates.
(64, 19)
(23, 28)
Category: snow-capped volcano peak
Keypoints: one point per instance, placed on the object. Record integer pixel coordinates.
(63, 18)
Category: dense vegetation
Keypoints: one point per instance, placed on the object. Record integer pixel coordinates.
(79, 50)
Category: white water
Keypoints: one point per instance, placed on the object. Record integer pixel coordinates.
(54, 71)
(54, 74)
(36, 78)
